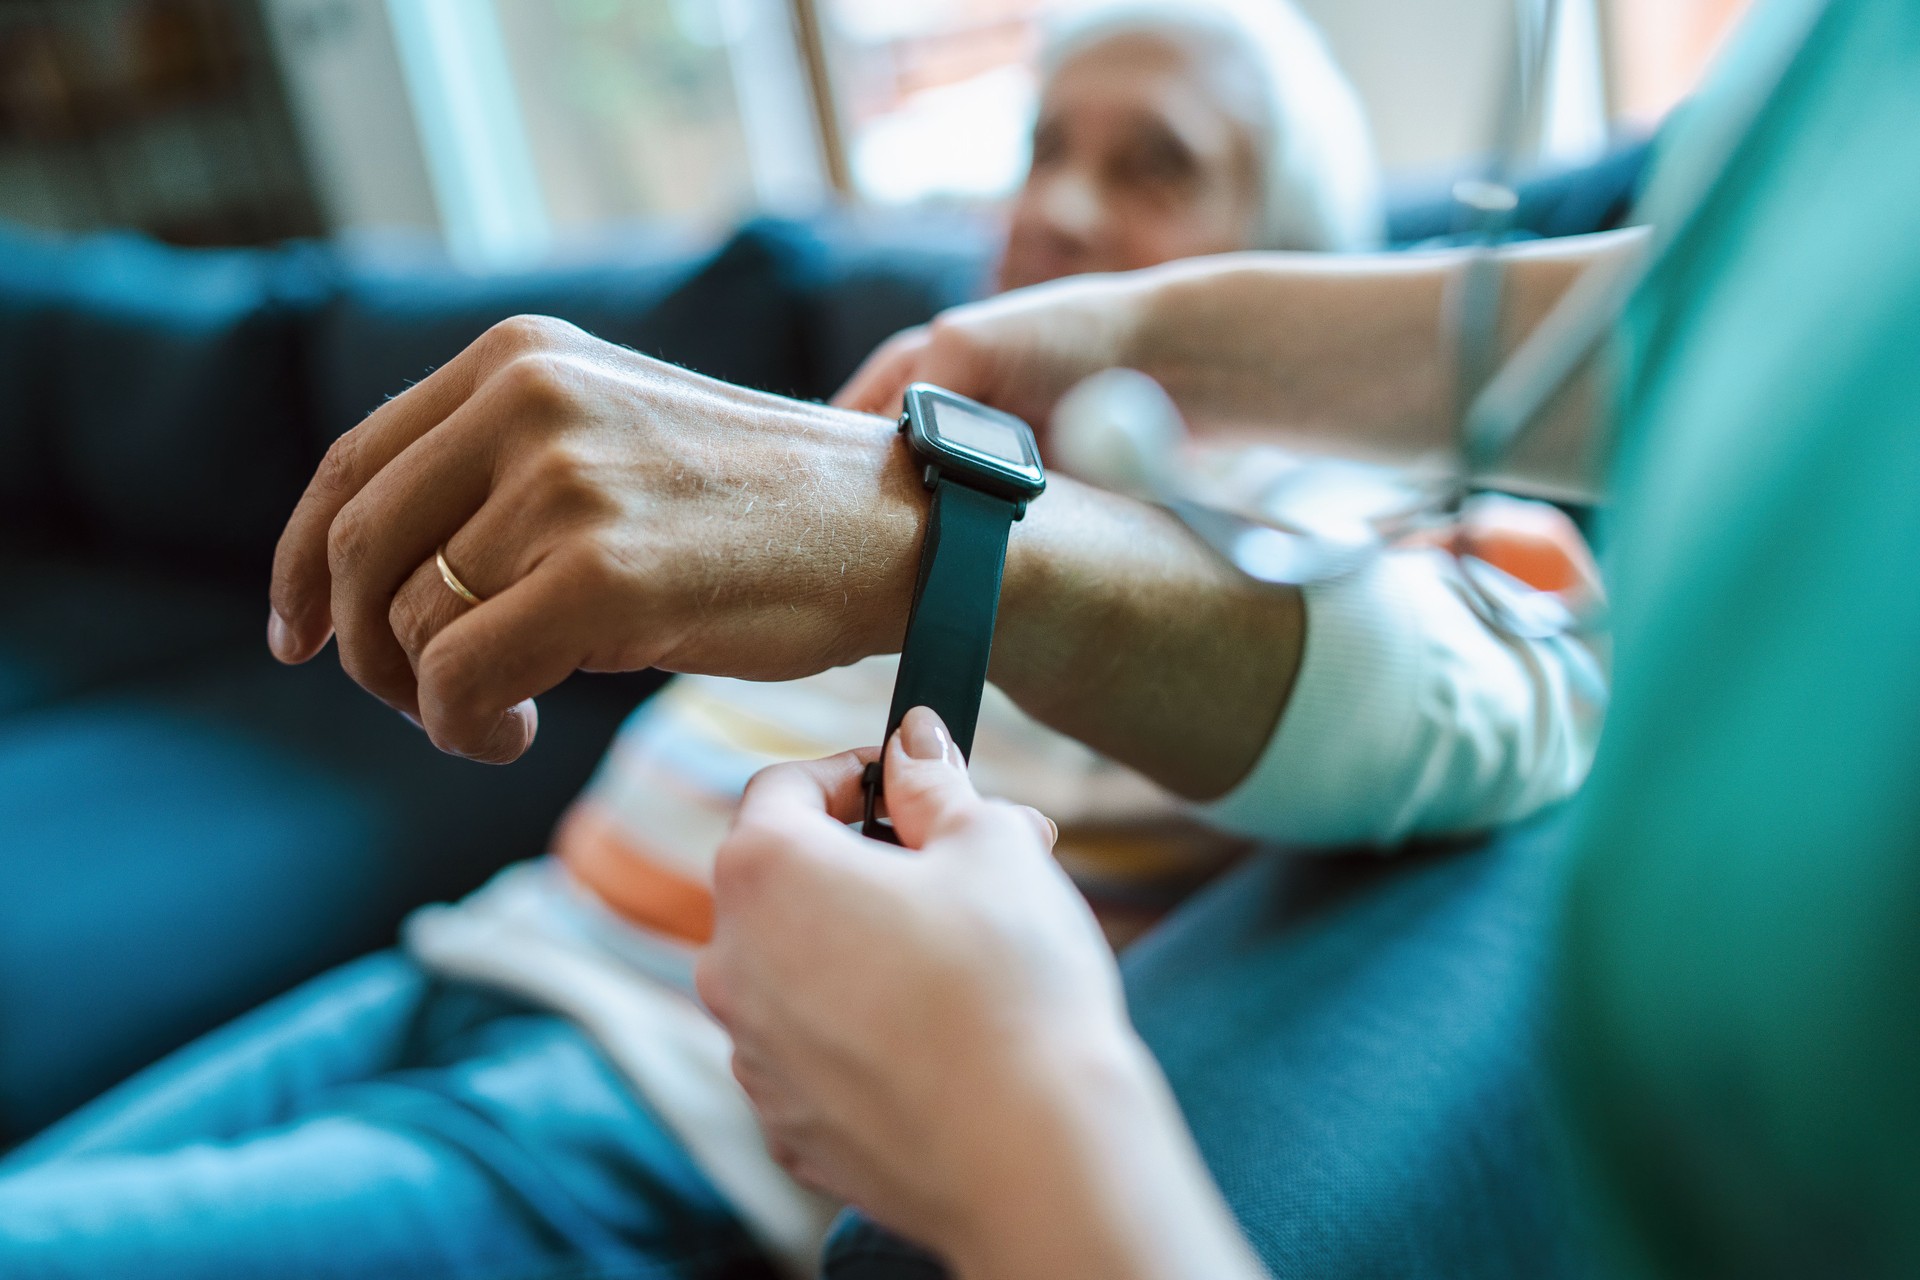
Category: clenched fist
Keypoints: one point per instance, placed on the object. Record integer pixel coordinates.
(611, 513)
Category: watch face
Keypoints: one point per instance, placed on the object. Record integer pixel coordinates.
(971, 429)
(985, 447)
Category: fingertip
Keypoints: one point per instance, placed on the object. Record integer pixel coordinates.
(284, 642)
(512, 734)
(922, 756)
(923, 735)
(279, 636)
(1049, 829)
(926, 777)
(832, 786)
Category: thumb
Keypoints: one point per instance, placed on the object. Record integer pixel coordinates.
(928, 791)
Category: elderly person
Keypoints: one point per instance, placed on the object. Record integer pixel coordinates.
(530, 1090)
(1171, 130)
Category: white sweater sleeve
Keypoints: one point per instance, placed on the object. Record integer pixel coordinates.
(1411, 717)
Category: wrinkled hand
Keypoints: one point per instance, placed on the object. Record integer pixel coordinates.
(1019, 352)
(898, 1018)
(612, 512)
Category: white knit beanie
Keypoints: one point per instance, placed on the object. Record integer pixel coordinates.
(1320, 175)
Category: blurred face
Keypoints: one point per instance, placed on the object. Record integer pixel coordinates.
(1138, 158)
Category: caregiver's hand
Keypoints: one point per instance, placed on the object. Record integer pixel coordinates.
(939, 1036)
(612, 513)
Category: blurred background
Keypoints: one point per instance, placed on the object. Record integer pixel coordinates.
(515, 132)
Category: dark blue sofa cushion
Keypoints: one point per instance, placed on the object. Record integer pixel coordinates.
(167, 406)
(186, 841)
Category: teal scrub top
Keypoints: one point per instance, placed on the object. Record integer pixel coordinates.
(1739, 962)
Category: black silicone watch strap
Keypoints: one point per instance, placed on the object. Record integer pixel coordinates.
(943, 660)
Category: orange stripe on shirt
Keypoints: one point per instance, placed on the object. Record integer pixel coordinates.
(631, 879)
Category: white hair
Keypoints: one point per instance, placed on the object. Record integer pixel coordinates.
(1320, 179)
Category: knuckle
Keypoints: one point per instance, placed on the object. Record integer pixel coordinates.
(535, 383)
(945, 333)
(527, 333)
(339, 465)
(562, 475)
(411, 621)
(349, 541)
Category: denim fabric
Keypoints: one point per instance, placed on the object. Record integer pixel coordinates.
(1356, 1044)
(375, 1123)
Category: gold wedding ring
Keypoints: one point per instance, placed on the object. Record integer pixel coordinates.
(453, 582)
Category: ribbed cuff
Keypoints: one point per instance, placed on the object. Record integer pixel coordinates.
(1349, 724)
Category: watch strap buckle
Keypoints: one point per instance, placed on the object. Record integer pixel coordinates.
(872, 781)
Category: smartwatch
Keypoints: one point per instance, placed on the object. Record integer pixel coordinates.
(983, 468)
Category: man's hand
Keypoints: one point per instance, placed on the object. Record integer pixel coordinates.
(1343, 354)
(939, 1036)
(613, 513)
(1019, 352)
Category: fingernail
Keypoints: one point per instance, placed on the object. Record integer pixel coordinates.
(279, 636)
(924, 737)
(1053, 829)
(511, 736)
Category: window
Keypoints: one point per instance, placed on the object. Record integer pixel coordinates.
(546, 120)
(537, 123)
(936, 98)
(515, 129)
(692, 110)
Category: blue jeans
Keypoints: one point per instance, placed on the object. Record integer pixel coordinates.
(376, 1122)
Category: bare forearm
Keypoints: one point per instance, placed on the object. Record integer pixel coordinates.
(1119, 629)
(1353, 354)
